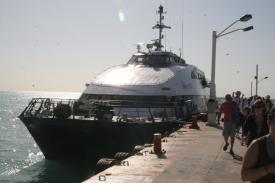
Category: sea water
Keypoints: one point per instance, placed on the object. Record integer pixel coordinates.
(20, 158)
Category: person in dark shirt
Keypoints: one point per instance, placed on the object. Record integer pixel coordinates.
(243, 118)
(259, 159)
(256, 124)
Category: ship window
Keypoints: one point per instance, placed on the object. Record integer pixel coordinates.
(194, 75)
(197, 75)
(172, 60)
(139, 59)
(179, 61)
(157, 60)
(152, 60)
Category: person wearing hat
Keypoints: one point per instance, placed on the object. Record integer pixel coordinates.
(259, 159)
(229, 124)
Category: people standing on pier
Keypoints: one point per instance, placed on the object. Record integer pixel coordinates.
(244, 116)
(245, 103)
(228, 108)
(256, 124)
(238, 100)
(251, 104)
(268, 103)
(259, 160)
(239, 104)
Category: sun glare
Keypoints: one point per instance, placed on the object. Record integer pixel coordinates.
(121, 16)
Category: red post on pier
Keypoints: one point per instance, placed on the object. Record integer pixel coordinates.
(157, 144)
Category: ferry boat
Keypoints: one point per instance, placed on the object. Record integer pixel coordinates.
(154, 92)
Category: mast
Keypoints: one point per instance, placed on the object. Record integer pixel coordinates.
(160, 26)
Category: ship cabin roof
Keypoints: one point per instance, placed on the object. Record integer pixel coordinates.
(156, 59)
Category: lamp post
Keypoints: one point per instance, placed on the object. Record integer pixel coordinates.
(257, 79)
(212, 106)
(251, 86)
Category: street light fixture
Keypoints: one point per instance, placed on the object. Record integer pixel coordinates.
(248, 28)
(263, 79)
(257, 83)
(245, 18)
(212, 106)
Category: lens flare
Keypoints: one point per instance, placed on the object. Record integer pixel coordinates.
(121, 16)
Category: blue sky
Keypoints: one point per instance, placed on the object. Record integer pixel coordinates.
(59, 45)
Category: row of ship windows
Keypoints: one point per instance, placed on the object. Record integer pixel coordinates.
(141, 98)
(159, 60)
(199, 102)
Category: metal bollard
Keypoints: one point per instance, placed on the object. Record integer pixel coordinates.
(157, 144)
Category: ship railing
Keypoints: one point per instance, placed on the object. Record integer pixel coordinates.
(120, 109)
(132, 110)
(144, 114)
(44, 107)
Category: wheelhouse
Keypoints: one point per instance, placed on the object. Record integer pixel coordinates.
(156, 59)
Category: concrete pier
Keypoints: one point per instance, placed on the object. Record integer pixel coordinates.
(192, 156)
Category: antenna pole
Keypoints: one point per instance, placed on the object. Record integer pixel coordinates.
(181, 38)
(165, 41)
(160, 26)
(160, 23)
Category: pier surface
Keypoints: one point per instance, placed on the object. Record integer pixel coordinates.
(191, 156)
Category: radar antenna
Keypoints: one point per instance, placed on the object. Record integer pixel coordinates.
(160, 26)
